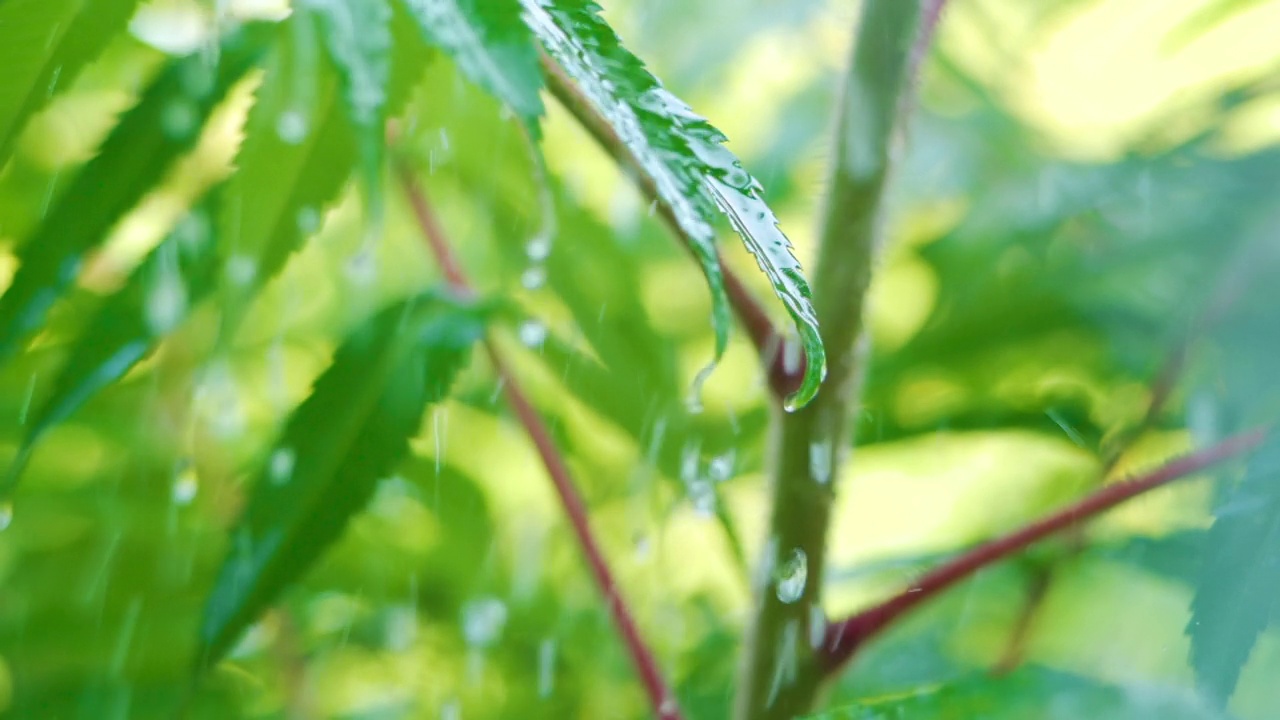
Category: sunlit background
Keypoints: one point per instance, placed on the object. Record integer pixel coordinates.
(1078, 173)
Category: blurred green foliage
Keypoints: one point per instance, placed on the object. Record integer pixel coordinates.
(1088, 197)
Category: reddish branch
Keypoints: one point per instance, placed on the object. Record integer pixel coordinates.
(845, 637)
(663, 700)
(785, 366)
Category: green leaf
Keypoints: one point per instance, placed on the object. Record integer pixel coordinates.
(1029, 693)
(149, 138)
(357, 35)
(352, 430)
(686, 159)
(43, 46)
(296, 157)
(491, 45)
(1238, 593)
(176, 276)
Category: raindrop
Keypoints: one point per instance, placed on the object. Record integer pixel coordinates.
(721, 467)
(546, 667)
(534, 277)
(6, 514)
(703, 496)
(538, 248)
(791, 576)
(820, 461)
(292, 127)
(532, 333)
(308, 220)
(280, 467)
(241, 269)
(166, 304)
(185, 485)
(792, 353)
(482, 621)
(179, 119)
(817, 626)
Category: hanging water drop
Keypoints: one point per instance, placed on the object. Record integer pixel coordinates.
(791, 576)
(292, 127)
(538, 248)
(532, 333)
(721, 467)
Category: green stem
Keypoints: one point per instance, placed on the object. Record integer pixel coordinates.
(781, 673)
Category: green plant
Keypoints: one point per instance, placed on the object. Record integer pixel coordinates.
(1071, 312)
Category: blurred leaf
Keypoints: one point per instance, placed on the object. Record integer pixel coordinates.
(1205, 20)
(174, 277)
(1030, 693)
(351, 431)
(685, 157)
(43, 46)
(357, 35)
(491, 45)
(165, 123)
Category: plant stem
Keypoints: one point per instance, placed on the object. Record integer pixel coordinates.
(661, 698)
(784, 376)
(844, 638)
(782, 673)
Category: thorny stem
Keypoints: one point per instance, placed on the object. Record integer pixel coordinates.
(844, 638)
(785, 372)
(782, 667)
(661, 698)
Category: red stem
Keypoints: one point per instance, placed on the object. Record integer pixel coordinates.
(845, 637)
(660, 696)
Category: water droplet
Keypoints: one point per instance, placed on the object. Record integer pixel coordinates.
(308, 220)
(817, 626)
(532, 333)
(721, 467)
(538, 248)
(546, 667)
(482, 621)
(185, 486)
(791, 576)
(534, 277)
(241, 269)
(6, 515)
(179, 119)
(292, 127)
(820, 461)
(280, 467)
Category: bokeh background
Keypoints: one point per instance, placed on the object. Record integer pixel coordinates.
(1089, 189)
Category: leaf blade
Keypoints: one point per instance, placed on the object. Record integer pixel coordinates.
(491, 46)
(352, 430)
(684, 156)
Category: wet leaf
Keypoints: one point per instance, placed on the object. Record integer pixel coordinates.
(1029, 693)
(491, 45)
(685, 158)
(352, 431)
(46, 43)
(357, 37)
(164, 124)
